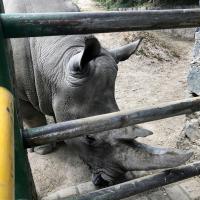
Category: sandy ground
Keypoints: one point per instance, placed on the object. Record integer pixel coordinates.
(156, 74)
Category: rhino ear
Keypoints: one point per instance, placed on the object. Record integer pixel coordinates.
(91, 50)
(124, 52)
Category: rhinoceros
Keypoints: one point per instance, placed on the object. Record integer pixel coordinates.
(71, 77)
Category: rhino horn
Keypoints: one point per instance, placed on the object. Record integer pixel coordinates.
(129, 133)
(133, 132)
(124, 52)
(144, 157)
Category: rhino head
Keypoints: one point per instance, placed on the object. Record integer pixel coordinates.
(89, 91)
(110, 155)
(89, 85)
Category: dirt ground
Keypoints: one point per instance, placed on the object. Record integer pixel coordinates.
(156, 74)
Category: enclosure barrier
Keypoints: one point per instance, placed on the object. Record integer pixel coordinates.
(46, 24)
(96, 124)
(19, 183)
(133, 187)
(6, 144)
(43, 24)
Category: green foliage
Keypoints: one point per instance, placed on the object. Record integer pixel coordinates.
(130, 3)
(177, 2)
(120, 3)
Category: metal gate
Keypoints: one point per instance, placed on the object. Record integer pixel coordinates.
(15, 176)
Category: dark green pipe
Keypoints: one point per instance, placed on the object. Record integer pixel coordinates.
(143, 184)
(47, 24)
(24, 187)
(4, 70)
(100, 123)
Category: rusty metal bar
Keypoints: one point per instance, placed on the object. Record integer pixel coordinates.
(140, 185)
(96, 124)
(46, 24)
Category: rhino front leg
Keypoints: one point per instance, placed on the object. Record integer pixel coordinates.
(34, 118)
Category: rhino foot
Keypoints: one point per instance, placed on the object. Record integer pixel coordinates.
(45, 149)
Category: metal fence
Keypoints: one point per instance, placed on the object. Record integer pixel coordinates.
(46, 24)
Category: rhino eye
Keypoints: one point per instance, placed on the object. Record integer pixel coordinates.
(90, 140)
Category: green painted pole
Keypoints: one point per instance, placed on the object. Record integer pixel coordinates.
(66, 23)
(24, 188)
(100, 123)
(137, 186)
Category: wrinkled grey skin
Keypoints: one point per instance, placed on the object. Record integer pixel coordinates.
(71, 77)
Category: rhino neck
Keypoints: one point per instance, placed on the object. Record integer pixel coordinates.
(50, 60)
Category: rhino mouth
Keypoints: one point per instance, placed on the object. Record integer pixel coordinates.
(106, 177)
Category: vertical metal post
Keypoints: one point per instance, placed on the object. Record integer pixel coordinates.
(15, 176)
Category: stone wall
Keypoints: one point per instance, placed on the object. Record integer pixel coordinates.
(192, 126)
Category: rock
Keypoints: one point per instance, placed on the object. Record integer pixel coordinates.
(192, 129)
(192, 188)
(67, 192)
(195, 115)
(175, 192)
(193, 79)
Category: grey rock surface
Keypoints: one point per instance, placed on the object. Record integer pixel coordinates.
(193, 78)
(192, 130)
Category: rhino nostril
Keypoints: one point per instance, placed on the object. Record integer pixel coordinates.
(99, 181)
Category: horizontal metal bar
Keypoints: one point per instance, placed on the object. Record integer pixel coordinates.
(96, 124)
(46, 24)
(140, 185)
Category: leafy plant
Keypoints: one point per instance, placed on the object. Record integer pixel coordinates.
(131, 3)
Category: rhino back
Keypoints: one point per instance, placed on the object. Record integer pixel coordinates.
(33, 81)
(23, 6)
(22, 57)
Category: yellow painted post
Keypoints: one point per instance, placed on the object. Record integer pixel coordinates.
(6, 145)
